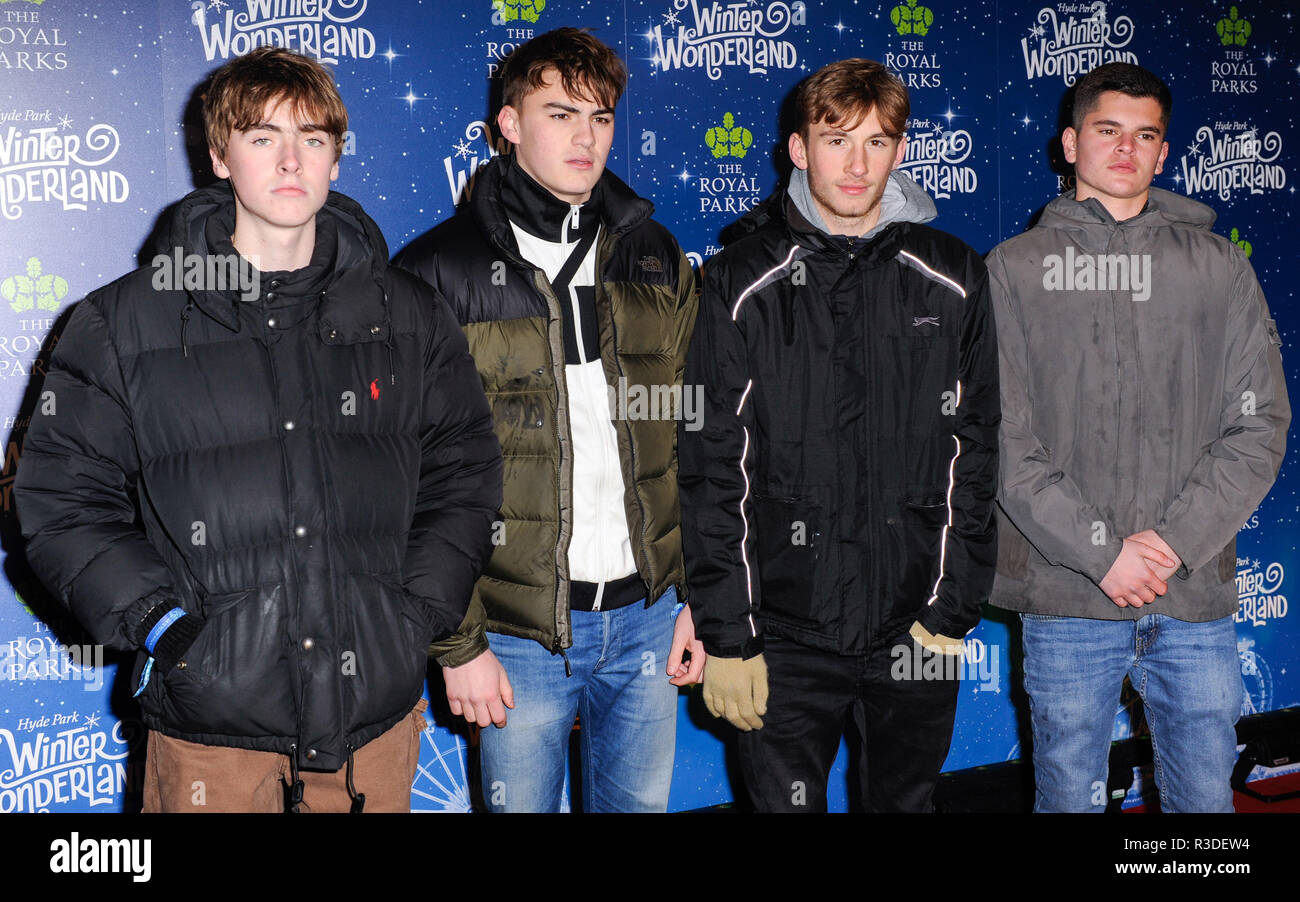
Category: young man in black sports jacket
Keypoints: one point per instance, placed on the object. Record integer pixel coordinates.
(837, 503)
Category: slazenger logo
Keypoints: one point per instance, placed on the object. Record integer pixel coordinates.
(75, 855)
(1258, 599)
(735, 35)
(311, 27)
(1072, 47)
(1098, 272)
(42, 165)
(1231, 162)
(933, 158)
(467, 158)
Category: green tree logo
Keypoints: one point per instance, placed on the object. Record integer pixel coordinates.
(911, 19)
(728, 139)
(528, 10)
(34, 290)
(1242, 243)
(1232, 30)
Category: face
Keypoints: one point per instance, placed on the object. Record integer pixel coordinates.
(560, 140)
(848, 170)
(280, 170)
(1117, 151)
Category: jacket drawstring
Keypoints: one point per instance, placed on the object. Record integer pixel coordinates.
(185, 319)
(358, 798)
(296, 785)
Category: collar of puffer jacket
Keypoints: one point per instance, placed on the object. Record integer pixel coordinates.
(346, 270)
(1163, 208)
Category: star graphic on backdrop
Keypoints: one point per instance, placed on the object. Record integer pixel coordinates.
(840, 26)
(684, 175)
(462, 148)
(1178, 179)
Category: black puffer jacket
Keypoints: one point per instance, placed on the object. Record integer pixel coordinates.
(312, 473)
(842, 486)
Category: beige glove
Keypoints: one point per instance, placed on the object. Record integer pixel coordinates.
(940, 645)
(736, 689)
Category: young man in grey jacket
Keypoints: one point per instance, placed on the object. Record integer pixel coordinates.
(1144, 416)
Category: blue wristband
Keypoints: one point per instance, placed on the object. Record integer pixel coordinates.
(161, 627)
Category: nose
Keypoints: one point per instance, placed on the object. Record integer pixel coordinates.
(289, 157)
(857, 161)
(584, 135)
(1127, 142)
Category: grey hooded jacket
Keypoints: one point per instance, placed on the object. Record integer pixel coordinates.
(1142, 388)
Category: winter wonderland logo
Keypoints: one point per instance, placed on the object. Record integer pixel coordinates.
(735, 34)
(729, 189)
(61, 759)
(320, 28)
(41, 165)
(1258, 599)
(1234, 74)
(469, 155)
(27, 42)
(1073, 46)
(1233, 158)
(934, 158)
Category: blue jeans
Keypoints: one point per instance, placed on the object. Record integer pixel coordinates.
(1189, 678)
(620, 692)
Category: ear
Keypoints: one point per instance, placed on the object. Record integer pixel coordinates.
(1164, 152)
(1070, 144)
(902, 151)
(218, 167)
(334, 173)
(508, 122)
(798, 153)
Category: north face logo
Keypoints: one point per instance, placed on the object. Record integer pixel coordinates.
(651, 264)
(925, 321)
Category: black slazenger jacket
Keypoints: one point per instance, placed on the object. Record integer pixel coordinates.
(312, 473)
(843, 484)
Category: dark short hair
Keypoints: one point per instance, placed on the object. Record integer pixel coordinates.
(587, 67)
(1125, 78)
(843, 93)
(238, 95)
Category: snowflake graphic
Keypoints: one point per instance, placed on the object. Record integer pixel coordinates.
(1037, 31)
(462, 148)
(91, 721)
(218, 5)
(670, 18)
(1194, 149)
(65, 122)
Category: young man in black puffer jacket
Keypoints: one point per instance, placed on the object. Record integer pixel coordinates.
(270, 468)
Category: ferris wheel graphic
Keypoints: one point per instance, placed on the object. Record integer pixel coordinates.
(441, 781)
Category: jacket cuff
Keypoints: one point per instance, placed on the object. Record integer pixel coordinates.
(750, 648)
(459, 648)
(179, 629)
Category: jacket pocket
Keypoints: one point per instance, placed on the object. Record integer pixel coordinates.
(389, 648)
(1013, 550)
(790, 544)
(1227, 563)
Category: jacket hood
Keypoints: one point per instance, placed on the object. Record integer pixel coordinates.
(903, 201)
(1164, 208)
(348, 245)
(619, 206)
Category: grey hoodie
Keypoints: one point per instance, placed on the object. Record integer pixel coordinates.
(903, 201)
(1142, 388)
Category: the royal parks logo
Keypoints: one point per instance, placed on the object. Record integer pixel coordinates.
(912, 18)
(507, 11)
(50, 165)
(34, 289)
(1240, 240)
(729, 188)
(1230, 157)
(1234, 73)
(1070, 39)
(29, 40)
(468, 155)
(328, 30)
(1259, 599)
(936, 159)
(750, 36)
(61, 761)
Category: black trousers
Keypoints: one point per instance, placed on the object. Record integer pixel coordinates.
(902, 700)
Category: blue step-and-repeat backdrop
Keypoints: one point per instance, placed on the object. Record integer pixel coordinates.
(99, 133)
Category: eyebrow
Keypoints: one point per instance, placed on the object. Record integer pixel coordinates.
(1141, 128)
(841, 133)
(556, 105)
(272, 127)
